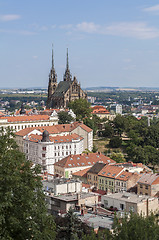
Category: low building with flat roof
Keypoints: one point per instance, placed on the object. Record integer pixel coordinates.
(61, 204)
(130, 202)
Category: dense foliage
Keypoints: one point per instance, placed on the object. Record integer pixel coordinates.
(23, 213)
(142, 141)
(81, 108)
(64, 117)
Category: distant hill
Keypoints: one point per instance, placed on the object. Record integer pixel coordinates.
(110, 89)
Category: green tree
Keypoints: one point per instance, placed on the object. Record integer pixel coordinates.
(23, 213)
(136, 228)
(70, 227)
(115, 142)
(64, 117)
(119, 124)
(91, 123)
(81, 108)
(118, 157)
(108, 131)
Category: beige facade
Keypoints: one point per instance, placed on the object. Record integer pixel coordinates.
(62, 203)
(129, 202)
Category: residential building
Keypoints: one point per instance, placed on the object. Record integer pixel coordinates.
(148, 184)
(46, 150)
(106, 177)
(17, 123)
(62, 130)
(129, 202)
(61, 186)
(92, 174)
(81, 175)
(61, 204)
(101, 112)
(117, 108)
(73, 163)
(126, 180)
(134, 167)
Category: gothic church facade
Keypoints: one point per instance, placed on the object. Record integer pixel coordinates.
(60, 94)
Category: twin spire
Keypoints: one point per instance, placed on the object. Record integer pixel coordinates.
(67, 76)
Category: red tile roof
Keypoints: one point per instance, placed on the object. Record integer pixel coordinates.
(124, 176)
(57, 139)
(27, 118)
(83, 159)
(99, 110)
(55, 129)
(110, 171)
(81, 173)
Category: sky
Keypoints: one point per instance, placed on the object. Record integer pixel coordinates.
(111, 43)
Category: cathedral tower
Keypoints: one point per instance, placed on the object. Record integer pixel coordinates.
(67, 75)
(52, 81)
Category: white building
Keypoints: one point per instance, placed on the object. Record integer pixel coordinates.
(17, 123)
(46, 150)
(62, 186)
(117, 108)
(59, 130)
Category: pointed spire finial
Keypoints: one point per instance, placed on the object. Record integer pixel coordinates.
(52, 57)
(67, 64)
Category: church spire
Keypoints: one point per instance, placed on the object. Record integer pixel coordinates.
(52, 57)
(52, 81)
(67, 75)
(67, 64)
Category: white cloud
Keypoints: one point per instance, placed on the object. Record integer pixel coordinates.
(35, 57)
(138, 30)
(152, 9)
(9, 17)
(88, 27)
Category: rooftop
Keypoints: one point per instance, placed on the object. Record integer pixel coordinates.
(81, 173)
(73, 197)
(110, 171)
(149, 179)
(129, 197)
(96, 168)
(83, 159)
(55, 129)
(26, 118)
(56, 139)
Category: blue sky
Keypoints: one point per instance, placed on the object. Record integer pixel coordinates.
(111, 42)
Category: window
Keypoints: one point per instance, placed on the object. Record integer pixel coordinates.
(44, 148)
(105, 181)
(105, 203)
(146, 187)
(43, 155)
(122, 206)
(140, 186)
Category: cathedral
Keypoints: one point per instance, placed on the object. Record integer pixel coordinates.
(60, 94)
